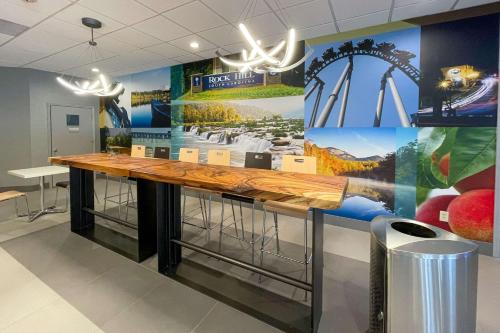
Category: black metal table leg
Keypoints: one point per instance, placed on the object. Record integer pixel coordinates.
(168, 217)
(146, 218)
(81, 196)
(317, 269)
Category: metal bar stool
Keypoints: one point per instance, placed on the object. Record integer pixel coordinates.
(14, 195)
(136, 151)
(290, 163)
(191, 155)
(256, 161)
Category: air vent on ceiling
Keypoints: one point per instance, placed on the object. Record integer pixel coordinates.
(11, 28)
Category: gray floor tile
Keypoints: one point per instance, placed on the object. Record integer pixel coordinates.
(170, 307)
(112, 292)
(225, 319)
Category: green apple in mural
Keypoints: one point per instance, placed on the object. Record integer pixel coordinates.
(471, 215)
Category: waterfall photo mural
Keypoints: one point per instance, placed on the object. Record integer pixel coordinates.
(459, 64)
(370, 81)
(223, 108)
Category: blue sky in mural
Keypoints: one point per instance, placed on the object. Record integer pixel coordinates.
(360, 142)
(156, 79)
(365, 83)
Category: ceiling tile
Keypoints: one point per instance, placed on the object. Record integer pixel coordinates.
(363, 21)
(316, 31)
(19, 56)
(42, 41)
(195, 16)
(166, 50)
(471, 3)
(64, 29)
(75, 13)
(7, 64)
(162, 28)
(4, 38)
(135, 37)
(224, 35)
(421, 8)
(236, 11)
(208, 54)
(184, 42)
(163, 5)
(402, 3)
(346, 9)
(188, 58)
(73, 57)
(124, 11)
(118, 47)
(307, 15)
(235, 48)
(17, 13)
(43, 7)
(264, 25)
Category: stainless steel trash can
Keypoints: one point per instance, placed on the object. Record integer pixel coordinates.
(423, 279)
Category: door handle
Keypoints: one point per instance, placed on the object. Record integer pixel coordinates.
(54, 151)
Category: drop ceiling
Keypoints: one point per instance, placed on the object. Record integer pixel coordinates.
(139, 35)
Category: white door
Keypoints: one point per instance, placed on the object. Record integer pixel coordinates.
(72, 131)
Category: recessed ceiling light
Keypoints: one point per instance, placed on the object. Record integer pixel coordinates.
(95, 70)
(194, 45)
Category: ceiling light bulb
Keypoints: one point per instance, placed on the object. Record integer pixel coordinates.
(95, 70)
(194, 45)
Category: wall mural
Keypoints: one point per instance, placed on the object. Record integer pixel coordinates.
(224, 108)
(141, 111)
(408, 115)
(430, 153)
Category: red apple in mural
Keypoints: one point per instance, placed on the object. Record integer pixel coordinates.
(444, 165)
(471, 215)
(428, 212)
(484, 179)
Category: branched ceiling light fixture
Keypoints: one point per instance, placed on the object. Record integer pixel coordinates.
(260, 61)
(101, 85)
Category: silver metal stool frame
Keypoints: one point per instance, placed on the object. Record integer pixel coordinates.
(307, 257)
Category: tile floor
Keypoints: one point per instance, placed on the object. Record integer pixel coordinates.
(54, 281)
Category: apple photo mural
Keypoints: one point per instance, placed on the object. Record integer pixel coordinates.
(456, 180)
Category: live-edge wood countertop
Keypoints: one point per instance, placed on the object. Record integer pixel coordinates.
(312, 191)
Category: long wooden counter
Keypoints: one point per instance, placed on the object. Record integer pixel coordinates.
(313, 191)
(159, 221)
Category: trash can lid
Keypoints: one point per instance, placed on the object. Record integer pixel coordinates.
(438, 248)
(413, 237)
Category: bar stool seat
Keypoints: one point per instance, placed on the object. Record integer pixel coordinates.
(63, 184)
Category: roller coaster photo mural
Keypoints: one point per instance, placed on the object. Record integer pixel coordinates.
(410, 117)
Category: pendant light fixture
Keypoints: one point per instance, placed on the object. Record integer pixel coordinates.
(100, 86)
(260, 61)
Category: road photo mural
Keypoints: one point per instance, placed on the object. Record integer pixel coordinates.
(410, 117)
(141, 111)
(223, 108)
